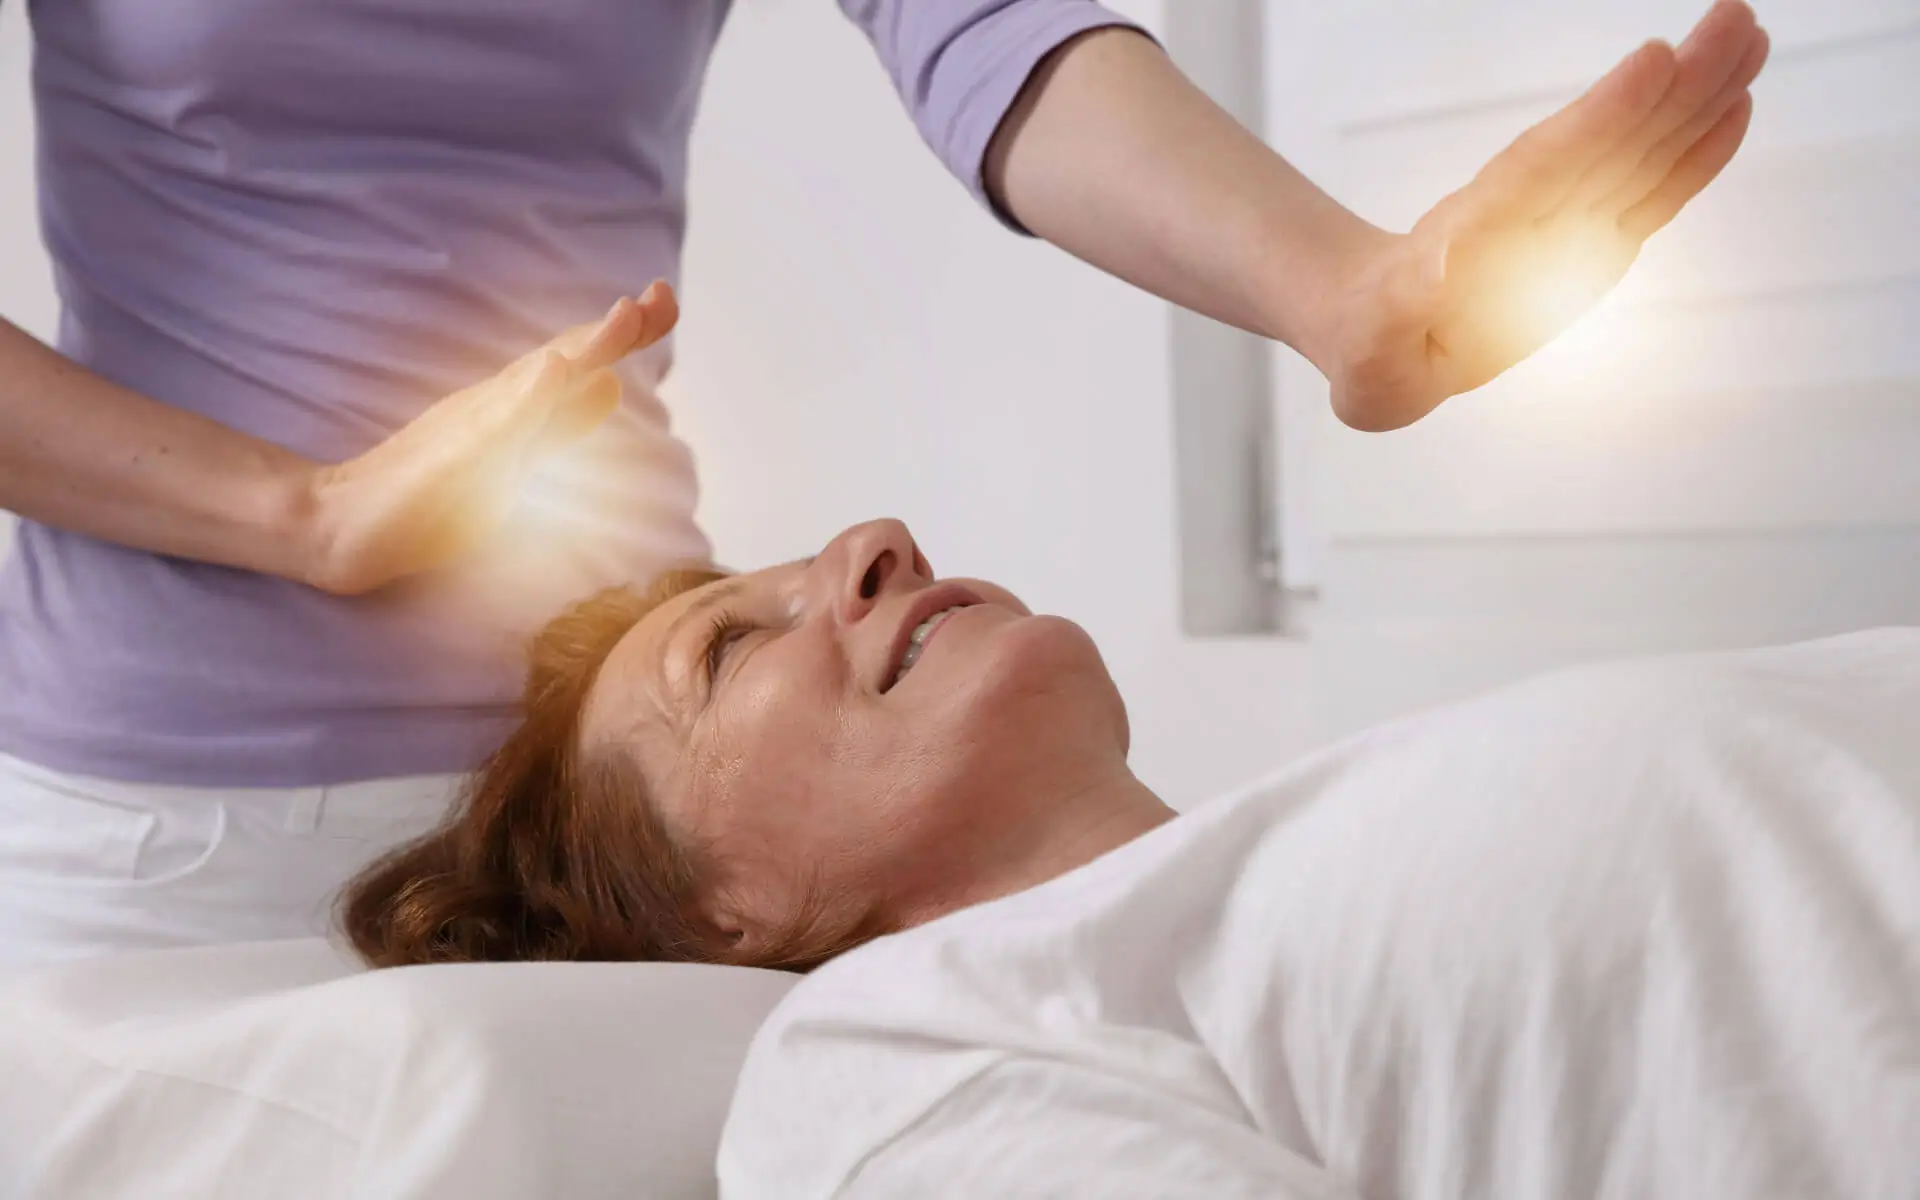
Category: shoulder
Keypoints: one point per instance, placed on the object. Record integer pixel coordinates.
(849, 1059)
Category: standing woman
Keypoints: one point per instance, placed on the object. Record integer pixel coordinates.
(282, 229)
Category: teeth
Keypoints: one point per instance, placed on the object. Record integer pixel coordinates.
(918, 638)
(926, 627)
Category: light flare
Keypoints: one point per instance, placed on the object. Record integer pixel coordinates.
(1555, 280)
(1597, 334)
(552, 487)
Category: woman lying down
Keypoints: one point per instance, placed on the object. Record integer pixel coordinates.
(1640, 931)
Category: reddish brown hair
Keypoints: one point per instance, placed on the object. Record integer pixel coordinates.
(557, 854)
(550, 853)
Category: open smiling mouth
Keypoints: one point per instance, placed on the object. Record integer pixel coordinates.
(917, 642)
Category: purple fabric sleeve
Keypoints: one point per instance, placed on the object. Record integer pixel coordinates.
(960, 64)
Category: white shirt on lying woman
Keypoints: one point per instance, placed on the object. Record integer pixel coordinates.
(1646, 930)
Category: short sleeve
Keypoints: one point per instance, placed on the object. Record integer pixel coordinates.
(959, 65)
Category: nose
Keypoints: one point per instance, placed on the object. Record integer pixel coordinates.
(864, 564)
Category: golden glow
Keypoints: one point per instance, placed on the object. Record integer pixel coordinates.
(541, 501)
(544, 486)
(1598, 372)
(1550, 281)
(1598, 337)
(1588, 353)
(1554, 302)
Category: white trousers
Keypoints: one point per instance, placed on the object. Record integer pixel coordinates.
(91, 867)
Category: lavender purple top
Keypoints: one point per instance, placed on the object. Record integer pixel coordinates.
(309, 220)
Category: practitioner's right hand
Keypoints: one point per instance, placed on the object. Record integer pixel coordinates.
(448, 480)
(1548, 227)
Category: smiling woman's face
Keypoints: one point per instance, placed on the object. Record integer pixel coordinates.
(840, 735)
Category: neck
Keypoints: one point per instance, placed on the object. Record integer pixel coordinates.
(1068, 829)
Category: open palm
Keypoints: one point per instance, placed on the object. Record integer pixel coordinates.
(449, 479)
(1549, 226)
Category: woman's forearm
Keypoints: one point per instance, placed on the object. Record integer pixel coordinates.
(1115, 156)
(83, 454)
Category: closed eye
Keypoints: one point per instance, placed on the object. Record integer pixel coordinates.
(725, 633)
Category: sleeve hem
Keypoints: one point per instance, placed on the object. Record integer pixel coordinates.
(1016, 47)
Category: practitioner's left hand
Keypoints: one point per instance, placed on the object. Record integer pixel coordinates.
(1546, 229)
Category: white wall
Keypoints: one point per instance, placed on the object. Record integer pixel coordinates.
(26, 294)
(860, 340)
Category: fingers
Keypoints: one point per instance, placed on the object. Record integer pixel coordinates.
(584, 408)
(1695, 170)
(520, 401)
(1543, 165)
(610, 340)
(550, 374)
(565, 389)
(662, 305)
(630, 325)
(633, 323)
(1659, 161)
(1712, 68)
(553, 405)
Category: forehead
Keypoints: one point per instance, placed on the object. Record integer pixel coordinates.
(633, 681)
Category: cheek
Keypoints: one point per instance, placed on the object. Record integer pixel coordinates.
(781, 750)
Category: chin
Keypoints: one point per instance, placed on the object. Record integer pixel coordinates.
(1046, 673)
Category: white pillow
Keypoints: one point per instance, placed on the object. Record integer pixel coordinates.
(282, 1069)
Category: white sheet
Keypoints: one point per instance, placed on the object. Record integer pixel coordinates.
(281, 1070)
(1641, 931)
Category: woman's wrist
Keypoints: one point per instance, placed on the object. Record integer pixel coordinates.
(1317, 272)
(281, 517)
